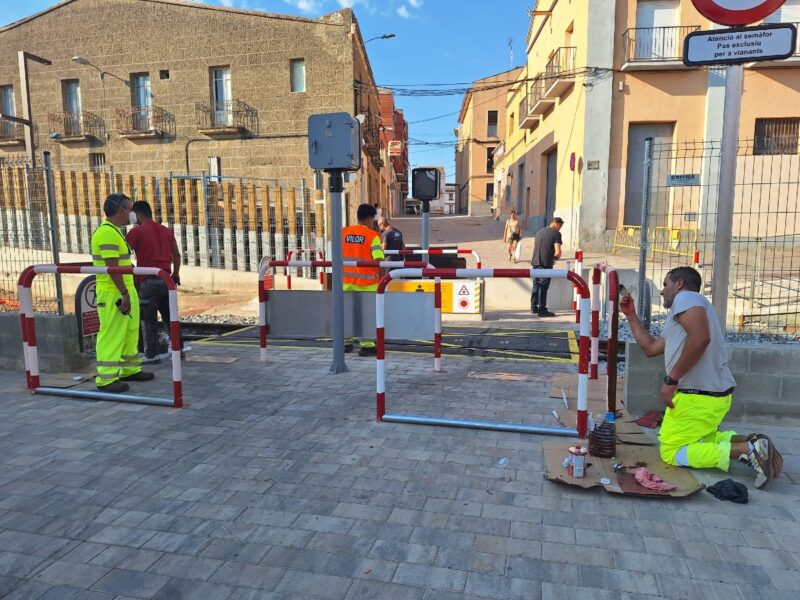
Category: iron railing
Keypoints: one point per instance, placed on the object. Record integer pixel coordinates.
(233, 114)
(537, 91)
(76, 124)
(656, 44)
(777, 136)
(142, 119)
(11, 132)
(561, 64)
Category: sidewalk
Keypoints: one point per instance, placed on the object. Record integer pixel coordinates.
(275, 482)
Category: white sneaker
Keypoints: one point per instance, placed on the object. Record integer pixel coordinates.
(761, 459)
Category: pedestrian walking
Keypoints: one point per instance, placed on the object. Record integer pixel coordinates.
(391, 236)
(512, 234)
(362, 242)
(117, 302)
(155, 246)
(698, 386)
(546, 250)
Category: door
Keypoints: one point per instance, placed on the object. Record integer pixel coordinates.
(71, 97)
(550, 186)
(657, 36)
(142, 102)
(634, 173)
(520, 208)
(221, 96)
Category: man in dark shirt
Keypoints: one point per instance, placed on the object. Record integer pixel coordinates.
(546, 250)
(155, 246)
(391, 236)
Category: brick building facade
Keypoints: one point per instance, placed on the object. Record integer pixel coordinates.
(158, 86)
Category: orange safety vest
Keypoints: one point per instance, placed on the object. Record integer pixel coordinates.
(361, 243)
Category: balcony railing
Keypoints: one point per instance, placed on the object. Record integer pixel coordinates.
(656, 46)
(76, 126)
(561, 65)
(786, 62)
(11, 134)
(232, 116)
(538, 101)
(144, 121)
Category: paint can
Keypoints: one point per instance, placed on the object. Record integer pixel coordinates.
(577, 463)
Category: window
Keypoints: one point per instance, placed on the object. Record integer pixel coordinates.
(7, 128)
(141, 101)
(221, 96)
(97, 161)
(657, 35)
(490, 159)
(71, 99)
(777, 136)
(491, 123)
(297, 68)
(489, 192)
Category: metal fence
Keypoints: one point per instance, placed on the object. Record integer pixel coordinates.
(218, 222)
(764, 291)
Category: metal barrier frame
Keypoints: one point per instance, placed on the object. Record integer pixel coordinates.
(263, 296)
(583, 358)
(31, 354)
(612, 285)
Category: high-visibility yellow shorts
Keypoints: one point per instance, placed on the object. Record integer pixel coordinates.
(694, 424)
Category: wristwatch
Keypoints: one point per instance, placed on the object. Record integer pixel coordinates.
(670, 381)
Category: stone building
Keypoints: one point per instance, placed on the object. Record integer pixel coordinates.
(160, 86)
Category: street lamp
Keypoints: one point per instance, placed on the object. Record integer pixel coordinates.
(85, 61)
(385, 36)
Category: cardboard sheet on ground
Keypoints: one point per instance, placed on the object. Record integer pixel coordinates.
(629, 456)
(64, 380)
(628, 431)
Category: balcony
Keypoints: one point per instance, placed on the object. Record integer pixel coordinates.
(792, 61)
(538, 102)
(655, 48)
(231, 118)
(527, 120)
(560, 72)
(75, 127)
(144, 122)
(11, 134)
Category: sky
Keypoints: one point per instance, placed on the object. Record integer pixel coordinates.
(437, 42)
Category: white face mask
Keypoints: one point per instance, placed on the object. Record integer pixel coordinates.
(132, 218)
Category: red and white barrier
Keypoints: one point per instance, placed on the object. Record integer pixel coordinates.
(263, 295)
(594, 358)
(31, 354)
(299, 252)
(696, 260)
(612, 285)
(431, 251)
(578, 268)
(583, 359)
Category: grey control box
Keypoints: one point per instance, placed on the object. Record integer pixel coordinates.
(334, 142)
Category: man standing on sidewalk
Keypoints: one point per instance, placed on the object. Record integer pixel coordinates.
(155, 246)
(546, 251)
(117, 302)
(698, 385)
(362, 242)
(391, 236)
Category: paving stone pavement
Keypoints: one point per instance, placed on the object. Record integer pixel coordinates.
(276, 483)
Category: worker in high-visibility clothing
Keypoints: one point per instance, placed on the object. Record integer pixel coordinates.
(362, 242)
(117, 302)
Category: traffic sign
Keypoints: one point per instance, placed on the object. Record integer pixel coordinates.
(736, 12)
(741, 45)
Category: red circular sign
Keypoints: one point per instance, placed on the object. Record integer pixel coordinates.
(572, 162)
(736, 12)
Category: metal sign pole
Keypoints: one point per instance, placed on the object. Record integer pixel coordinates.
(644, 307)
(336, 187)
(51, 209)
(734, 77)
(426, 213)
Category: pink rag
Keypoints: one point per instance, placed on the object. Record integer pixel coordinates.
(652, 481)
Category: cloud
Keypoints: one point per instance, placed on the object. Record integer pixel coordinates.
(415, 3)
(228, 3)
(306, 6)
(403, 12)
(367, 4)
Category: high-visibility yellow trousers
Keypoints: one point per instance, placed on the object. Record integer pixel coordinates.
(694, 423)
(117, 345)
